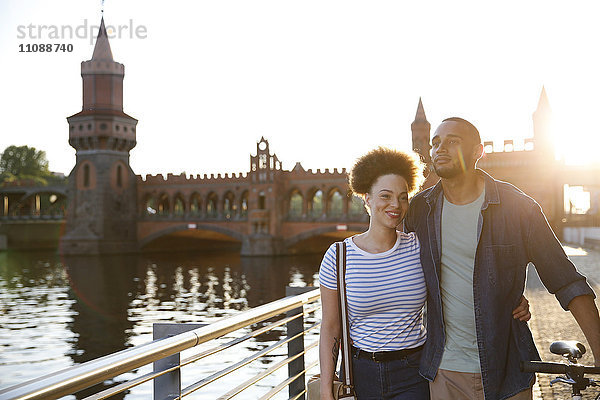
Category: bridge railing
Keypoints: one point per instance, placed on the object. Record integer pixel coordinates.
(164, 353)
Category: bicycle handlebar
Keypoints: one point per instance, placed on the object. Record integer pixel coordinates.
(556, 368)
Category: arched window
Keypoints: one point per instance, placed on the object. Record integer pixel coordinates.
(119, 176)
(211, 206)
(316, 204)
(4, 205)
(335, 204)
(163, 204)
(195, 204)
(296, 200)
(179, 205)
(150, 206)
(56, 205)
(356, 207)
(261, 201)
(229, 207)
(244, 205)
(262, 161)
(86, 176)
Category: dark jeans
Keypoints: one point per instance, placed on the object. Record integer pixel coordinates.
(390, 380)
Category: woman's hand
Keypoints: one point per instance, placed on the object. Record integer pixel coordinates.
(522, 311)
(327, 395)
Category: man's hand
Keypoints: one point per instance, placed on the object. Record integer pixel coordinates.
(522, 311)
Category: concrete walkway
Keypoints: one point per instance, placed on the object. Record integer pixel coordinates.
(550, 322)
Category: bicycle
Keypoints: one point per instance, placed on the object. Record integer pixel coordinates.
(573, 372)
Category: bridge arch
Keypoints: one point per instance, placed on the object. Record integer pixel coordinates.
(243, 205)
(212, 201)
(42, 201)
(185, 227)
(315, 203)
(179, 207)
(295, 204)
(335, 204)
(164, 205)
(229, 206)
(57, 190)
(356, 207)
(149, 204)
(32, 193)
(195, 207)
(351, 229)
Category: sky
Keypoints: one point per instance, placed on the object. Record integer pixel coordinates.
(323, 81)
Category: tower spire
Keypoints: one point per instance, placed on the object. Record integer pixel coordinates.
(420, 115)
(543, 127)
(102, 51)
(543, 103)
(421, 129)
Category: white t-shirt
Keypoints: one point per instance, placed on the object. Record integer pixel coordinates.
(459, 243)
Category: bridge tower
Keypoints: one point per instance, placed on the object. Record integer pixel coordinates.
(542, 128)
(550, 189)
(421, 129)
(265, 213)
(101, 216)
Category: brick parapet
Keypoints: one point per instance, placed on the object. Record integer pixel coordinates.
(182, 179)
(327, 173)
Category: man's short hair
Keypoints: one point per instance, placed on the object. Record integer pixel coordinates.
(471, 127)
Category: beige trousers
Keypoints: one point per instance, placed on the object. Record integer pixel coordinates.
(452, 385)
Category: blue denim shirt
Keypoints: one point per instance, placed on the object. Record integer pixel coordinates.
(512, 232)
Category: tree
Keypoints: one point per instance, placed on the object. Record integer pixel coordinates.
(19, 163)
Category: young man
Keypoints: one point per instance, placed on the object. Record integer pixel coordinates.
(477, 236)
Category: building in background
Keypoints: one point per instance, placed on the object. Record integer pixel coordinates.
(264, 211)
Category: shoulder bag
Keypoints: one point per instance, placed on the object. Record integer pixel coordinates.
(341, 389)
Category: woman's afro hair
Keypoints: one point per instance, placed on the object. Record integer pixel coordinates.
(384, 161)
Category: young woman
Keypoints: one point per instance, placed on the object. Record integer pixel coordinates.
(385, 287)
(384, 284)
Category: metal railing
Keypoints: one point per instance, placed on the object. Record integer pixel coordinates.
(165, 351)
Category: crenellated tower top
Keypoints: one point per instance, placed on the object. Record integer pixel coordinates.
(101, 123)
(104, 70)
(263, 164)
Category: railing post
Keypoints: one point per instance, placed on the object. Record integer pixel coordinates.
(297, 345)
(168, 386)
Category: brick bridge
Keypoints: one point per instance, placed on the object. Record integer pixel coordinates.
(268, 210)
(265, 211)
(31, 216)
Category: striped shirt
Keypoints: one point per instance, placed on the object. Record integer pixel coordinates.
(385, 291)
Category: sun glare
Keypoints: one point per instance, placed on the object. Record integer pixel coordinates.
(577, 199)
(576, 145)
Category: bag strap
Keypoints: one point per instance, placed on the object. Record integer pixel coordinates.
(347, 384)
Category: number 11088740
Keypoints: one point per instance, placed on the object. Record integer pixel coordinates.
(45, 48)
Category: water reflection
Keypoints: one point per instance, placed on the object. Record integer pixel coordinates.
(55, 312)
(102, 288)
(34, 332)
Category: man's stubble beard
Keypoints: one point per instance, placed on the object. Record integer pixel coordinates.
(447, 173)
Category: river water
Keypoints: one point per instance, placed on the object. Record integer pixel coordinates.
(56, 312)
